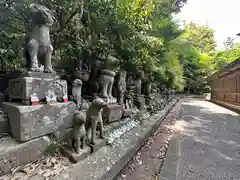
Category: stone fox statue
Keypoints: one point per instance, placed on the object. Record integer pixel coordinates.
(77, 91)
(38, 49)
(94, 116)
(79, 131)
(121, 86)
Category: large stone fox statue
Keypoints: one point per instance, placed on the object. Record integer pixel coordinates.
(38, 49)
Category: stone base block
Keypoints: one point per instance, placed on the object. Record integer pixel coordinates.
(139, 102)
(112, 113)
(75, 157)
(4, 126)
(150, 101)
(13, 154)
(29, 122)
(22, 88)
(128, 112)
(109, 100)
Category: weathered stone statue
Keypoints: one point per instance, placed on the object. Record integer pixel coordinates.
(77, 91)
(139, 84)
(121, 87)
(107, 76)
(149, 85)
(79, 131)
(38, 49)
(94, 116)
(172, 94)
(167, 94)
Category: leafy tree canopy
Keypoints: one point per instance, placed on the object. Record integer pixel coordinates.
(140, 33)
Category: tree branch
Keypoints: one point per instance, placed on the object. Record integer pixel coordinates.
(63, 25)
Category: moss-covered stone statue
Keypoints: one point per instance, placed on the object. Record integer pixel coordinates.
(107, 76)
(121, 87)
(78, 137)
(94, 116)
(138, 83)
(38, 49)
(77, 91)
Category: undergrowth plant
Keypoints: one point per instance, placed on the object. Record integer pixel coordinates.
(55, 146)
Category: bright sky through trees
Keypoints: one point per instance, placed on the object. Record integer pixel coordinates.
(221, 15)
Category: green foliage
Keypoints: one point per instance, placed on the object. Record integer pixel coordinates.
(194, 48)
(139, 117)
(142, 34)
(201, 37)
(223, 57)
(54, 147)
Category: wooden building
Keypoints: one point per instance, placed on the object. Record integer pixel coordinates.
(225, 85)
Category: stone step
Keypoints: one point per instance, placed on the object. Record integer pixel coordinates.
(14, 154)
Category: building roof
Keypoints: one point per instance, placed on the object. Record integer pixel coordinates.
(226, 69)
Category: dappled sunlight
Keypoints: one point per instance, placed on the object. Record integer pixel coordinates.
(210, 107)
(232, 143)
(188, 125)
(180, 126)
(201, 140)
(220, 110)
(208, 137)
(222, 155)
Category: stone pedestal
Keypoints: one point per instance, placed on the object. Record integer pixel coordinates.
(139, 102)
(14, 154)
(29, 122)
(112, 113)
(25, 85)
(75, 157)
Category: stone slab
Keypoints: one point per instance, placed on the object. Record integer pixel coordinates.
(75, 157)
(23, 87)
(29, 122)
(14, 154)
(108, 161)
(52, 75)
(112, 113)
(99, 143)
(169, 167)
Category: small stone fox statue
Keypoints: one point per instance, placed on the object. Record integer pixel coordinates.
(77, 91)
(94, 116)
(79, 131)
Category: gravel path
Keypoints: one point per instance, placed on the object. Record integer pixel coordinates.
(147, 162)
(206, 145)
